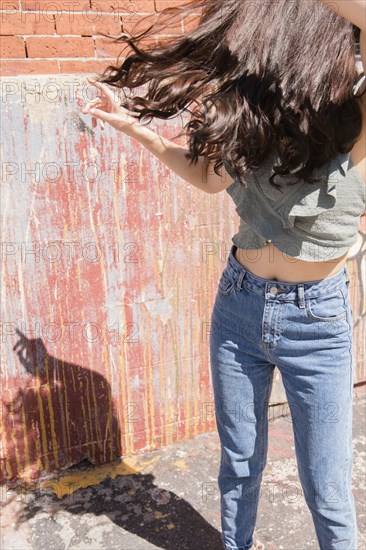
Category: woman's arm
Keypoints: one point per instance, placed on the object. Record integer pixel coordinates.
(107, 108)
(200, 175)
(353, 10)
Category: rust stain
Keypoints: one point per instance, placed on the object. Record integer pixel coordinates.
(129, 371)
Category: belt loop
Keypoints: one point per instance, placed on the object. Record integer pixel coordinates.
(301, 295)
(240, 279)
(347, 274)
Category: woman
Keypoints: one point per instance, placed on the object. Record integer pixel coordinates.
(278, 104)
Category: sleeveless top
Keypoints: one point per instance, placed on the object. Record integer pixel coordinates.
(312, 222)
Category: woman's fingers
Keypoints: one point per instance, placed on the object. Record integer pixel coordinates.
(95, 123)
(102, 87)
(93, 103)
(107, 108)
(101, 115)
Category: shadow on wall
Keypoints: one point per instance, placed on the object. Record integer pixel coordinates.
(63, 416)
(131, 501)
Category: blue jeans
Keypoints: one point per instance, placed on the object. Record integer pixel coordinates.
(306, 330)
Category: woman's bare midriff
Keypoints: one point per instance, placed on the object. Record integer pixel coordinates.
(270, 263)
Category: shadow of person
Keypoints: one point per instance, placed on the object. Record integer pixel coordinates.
(131, 502)
(63, 414)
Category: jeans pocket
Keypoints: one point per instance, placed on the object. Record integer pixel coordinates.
(330, 307)
(227, 281)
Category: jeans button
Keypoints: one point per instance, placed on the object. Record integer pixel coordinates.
(274, 290)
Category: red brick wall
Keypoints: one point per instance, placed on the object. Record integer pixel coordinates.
(46, 37)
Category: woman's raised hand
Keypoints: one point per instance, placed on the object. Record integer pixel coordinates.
(106, 108)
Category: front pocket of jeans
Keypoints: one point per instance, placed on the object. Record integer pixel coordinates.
(330, 307)
(227, 282)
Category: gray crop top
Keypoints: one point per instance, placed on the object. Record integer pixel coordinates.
(312, 222)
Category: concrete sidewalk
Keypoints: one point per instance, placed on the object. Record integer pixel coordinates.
(169, 499)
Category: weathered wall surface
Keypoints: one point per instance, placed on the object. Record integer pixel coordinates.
(68, 37)
(110, 264)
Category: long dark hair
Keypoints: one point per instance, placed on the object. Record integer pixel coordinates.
(258, 75)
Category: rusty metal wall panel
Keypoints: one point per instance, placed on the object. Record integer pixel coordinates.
(110, 264)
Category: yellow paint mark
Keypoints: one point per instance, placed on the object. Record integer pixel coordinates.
(69, 483)
(13, 431)
(181, 464)
(88, 413)
(43, 434)
(51, 416)
(151, 394)
(66, 402)
(171, 412)
(124, 390)
(160, 515)
(38, 450)
(26, 446)
(196, 412)
(188, 336)
(5, 446)
(83, 409)
(145, 402)
(125, 379)
(108, 436)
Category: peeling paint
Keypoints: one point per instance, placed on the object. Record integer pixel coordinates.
(106, 291)
(161, 309)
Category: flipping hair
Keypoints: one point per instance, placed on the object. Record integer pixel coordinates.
(255, 75)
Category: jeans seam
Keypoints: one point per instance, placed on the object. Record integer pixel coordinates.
(236, 345)
(350, 412)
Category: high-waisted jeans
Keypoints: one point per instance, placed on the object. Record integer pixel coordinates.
(306, 330)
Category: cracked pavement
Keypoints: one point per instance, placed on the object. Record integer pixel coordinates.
(169, 499)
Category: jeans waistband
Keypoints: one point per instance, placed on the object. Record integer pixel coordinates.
(286, 291)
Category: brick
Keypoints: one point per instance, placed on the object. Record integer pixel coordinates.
(124, 6)
(163, 4)
(106, 48)
(88, 66)
(26, 23)
(162, 41)
(27, 66)
(60, 46)
(190, 22)
(9, 5)
(56, 5)
(137, 24)
(141, 22)
(147, 43)
(80, 24)
(12, 46)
